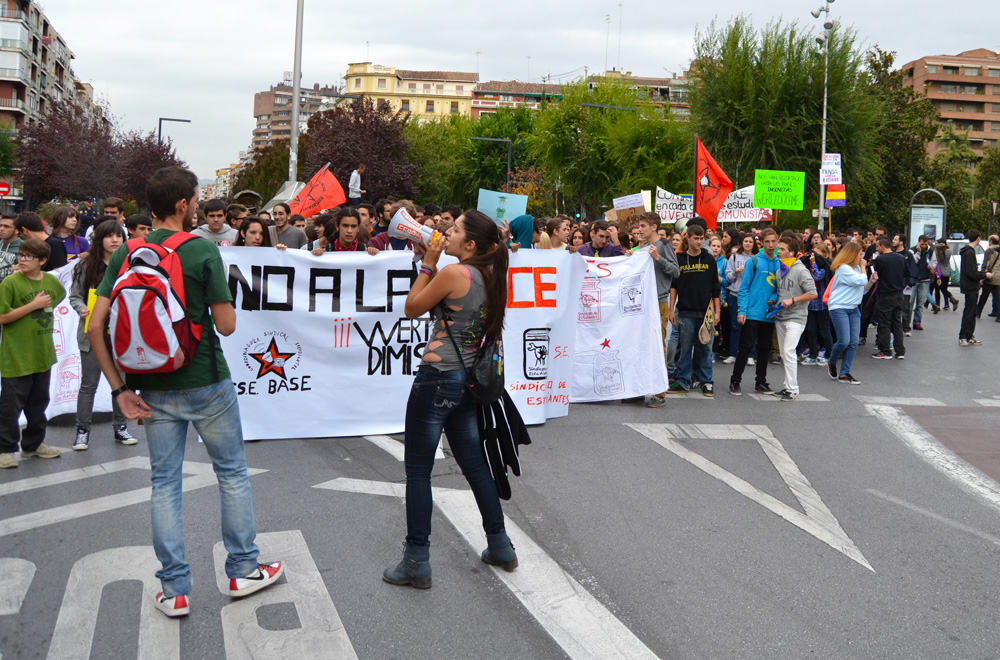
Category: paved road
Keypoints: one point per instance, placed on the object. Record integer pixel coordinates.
(837, 526)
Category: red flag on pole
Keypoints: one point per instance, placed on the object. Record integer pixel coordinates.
(322, 192)
(712, 186)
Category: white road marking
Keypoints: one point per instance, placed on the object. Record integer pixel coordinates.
(202, 476)
(989, 403)
(929, 449)
(817, 519)
(67, 476)
(897, 401)
(396, 448)
(576, 620)
(159, 636)
(16, 576)
(933, 516)
(320, 635)
(807, 398)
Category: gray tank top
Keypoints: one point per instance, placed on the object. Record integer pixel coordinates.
(467, 328)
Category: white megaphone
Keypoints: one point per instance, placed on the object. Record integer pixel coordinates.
(405, 227)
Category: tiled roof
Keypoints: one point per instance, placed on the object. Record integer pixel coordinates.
(458, 76)
(517, 87)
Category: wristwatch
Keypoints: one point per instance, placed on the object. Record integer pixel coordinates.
(123, 388)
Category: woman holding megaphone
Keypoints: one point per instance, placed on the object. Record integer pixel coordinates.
(470, 297)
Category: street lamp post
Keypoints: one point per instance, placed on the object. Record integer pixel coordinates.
(159, 130)
(293, 145)
(824, 41)
(510, 150)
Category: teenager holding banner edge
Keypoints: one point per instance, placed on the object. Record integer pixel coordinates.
(474, 291)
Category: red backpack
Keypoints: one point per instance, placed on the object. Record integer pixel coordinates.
(149, 325)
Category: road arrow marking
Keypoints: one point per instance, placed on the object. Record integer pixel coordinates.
(576, 620)
(817, 519)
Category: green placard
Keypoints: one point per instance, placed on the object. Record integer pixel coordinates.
(776, 189)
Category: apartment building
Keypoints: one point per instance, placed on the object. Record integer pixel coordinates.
(425, 94)
(273, 111)
(488, 97)
(965, 89)
(670, 92)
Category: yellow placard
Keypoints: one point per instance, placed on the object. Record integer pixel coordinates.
(91, 300)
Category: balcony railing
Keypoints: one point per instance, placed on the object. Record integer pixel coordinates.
(12, 103)
(16, 14)
(15, 73)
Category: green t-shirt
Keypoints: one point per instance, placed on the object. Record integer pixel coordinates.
(205, 283)
(26, 346)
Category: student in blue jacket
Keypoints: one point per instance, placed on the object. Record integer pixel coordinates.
(758, 291)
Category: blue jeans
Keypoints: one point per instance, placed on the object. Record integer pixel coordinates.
(919, 296)
(847, 323)
(439, 401)
(215, 414)
(672, 343)
(688, 330)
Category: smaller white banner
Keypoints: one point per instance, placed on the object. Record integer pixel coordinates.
(831, 175)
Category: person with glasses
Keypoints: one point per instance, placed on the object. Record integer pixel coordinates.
(27, 353)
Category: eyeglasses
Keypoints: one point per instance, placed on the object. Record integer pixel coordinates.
(26, 257)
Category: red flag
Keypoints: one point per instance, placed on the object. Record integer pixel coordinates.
(322, 192)
(712, 186)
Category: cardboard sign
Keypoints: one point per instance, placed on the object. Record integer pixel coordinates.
(831, 176)
(501, 206)
(779, 189)
(629, 206)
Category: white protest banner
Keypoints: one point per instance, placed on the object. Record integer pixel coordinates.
(543, 287)
(619, 348)
(830, 175)
(671, 207)
(831, 160)
(738, 207)
(322, 347)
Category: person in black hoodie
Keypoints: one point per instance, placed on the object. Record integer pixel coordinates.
(691, 293)
(970, 282)
(892, 269)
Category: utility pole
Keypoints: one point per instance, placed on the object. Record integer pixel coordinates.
(293, 147)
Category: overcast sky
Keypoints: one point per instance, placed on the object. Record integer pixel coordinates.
(203, 61)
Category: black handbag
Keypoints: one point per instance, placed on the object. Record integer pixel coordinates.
(485, 376)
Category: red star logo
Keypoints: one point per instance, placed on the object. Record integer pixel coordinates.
(605, 344)
(272, 360)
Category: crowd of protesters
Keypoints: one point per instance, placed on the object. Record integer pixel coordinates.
(758, 298)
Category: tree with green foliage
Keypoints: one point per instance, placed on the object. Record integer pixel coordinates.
(436, 147)
(484, 164)
(757, 103)
(988, 184)
(949, 173)
(8, 149)
(269, 170)
(597, 154)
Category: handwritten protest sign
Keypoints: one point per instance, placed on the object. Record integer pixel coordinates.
(778, 189)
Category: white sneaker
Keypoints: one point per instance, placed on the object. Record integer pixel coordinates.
(176, 606)
(264, 576)
(729, 360)
(8, 461)
(751, 362)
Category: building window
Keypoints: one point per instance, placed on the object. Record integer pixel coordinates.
(950, 71)
(427, 85)
(357, 83)
(996, 108)
(381, 83)
(932, 68)
(439, 87)
(454, 107)
(506, 97)
(430, 106)
(412, 86)
(995, 126)
(993, 73)
(461, 88)
(405, 105)
(972, 70)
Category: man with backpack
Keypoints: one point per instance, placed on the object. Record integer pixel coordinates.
(170, 386)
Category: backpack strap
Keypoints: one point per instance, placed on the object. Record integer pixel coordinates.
(177, 239)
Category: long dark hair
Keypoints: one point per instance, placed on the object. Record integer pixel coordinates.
(254, 220)
(93, 264)
(491, 259)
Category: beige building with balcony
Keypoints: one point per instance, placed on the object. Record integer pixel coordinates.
(965, 89)
(425, 94)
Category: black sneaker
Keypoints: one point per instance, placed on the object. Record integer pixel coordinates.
(123, 436)
(848, 379)
(900, 356)
(780, 393)
(974, 342)
(788, 396)
(82, 439)
(862, 340)
(708, 389)
(882, 356)
(734, 389)
(831, 369)
(764, 388)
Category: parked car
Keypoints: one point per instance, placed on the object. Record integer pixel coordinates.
(956, 260)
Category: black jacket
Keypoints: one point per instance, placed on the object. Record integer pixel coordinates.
(971, 276)
(892, 270)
